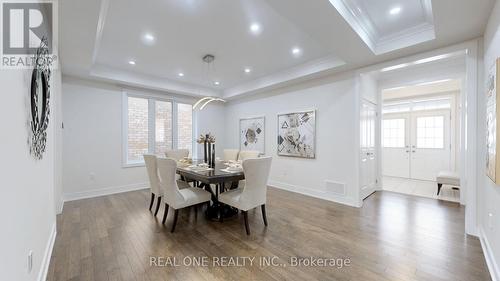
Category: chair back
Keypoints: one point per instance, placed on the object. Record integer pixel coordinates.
(248, 154)
(168, 183)
(256, 177)
(152, 168)
(230, 154)
(177, 154)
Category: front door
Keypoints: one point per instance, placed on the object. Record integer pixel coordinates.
(396, 145)
(416, 145)
(431, 144)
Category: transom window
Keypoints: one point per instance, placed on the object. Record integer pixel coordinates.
(417, 105)
(154, 125)
(430, 132)
(393, 133)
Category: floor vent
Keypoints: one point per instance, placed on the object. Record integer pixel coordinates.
(335, 187)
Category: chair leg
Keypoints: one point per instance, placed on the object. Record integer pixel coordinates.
(176, 214)
(263, 208)
(158, 205)
(165, 213)
(245, 217)
(439, 187)
(152, 201)
(221, 212)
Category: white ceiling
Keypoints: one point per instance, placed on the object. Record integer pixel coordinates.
(424, 89)
(388, 25)
(449, 66)
(99, 37)
(412, 14)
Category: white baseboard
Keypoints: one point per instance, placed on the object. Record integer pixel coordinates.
(488, 255)
(321, 194)
(60, 207)
(104, 191)
(44, 268)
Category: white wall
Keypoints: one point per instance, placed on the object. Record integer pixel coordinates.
(92, 138)
(335, 101)
(58, 138)
(27, 206)
(211, 120)
(488, 192)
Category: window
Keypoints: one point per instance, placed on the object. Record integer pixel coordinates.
(430, 132)
(138, 132)
(163, 127)
(393, 133)
(432, 104)
(151, 126)
(416, 105)
(396, 107)
(185, 126)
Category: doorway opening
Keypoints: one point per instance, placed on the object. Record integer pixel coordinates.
(455, 64)
(420, 132)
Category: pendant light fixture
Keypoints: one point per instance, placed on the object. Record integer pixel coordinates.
(208, 59)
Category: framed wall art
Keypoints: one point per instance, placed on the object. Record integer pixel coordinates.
(492, 106)
(252, 134)
(297, 134)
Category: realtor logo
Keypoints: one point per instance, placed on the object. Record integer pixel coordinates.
(24, 24)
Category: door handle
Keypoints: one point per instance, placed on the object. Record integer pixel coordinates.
(413, 151)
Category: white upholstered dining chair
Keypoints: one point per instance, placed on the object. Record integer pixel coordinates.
(177, 154)
(253, 193)
(176, 197)
(248, 154)
(230, 154)
(154, 180)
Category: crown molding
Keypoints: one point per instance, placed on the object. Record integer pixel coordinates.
(103, 12)
(363, 25)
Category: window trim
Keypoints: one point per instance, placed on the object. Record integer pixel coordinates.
(444, 128)
(152, 124)
(383, 136)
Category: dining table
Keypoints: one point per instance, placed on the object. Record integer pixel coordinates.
(216, 180)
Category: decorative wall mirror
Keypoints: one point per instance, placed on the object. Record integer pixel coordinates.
(40, 101)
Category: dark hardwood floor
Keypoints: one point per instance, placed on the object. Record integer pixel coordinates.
(393, 237)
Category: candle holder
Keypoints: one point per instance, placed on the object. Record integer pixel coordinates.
(208, 141)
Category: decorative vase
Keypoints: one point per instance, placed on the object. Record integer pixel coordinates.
(212, 158)
(205, 160)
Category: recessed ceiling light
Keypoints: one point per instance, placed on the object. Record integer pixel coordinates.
(395, 11)
(394, 67)
(148, 38)
(216, 83)
(247, 70)
(255, 28)
(181, 74)
(131, 62)
(296, 51)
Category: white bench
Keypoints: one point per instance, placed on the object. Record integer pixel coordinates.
(449, 178)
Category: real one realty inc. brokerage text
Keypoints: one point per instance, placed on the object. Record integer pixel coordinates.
(242, 261)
